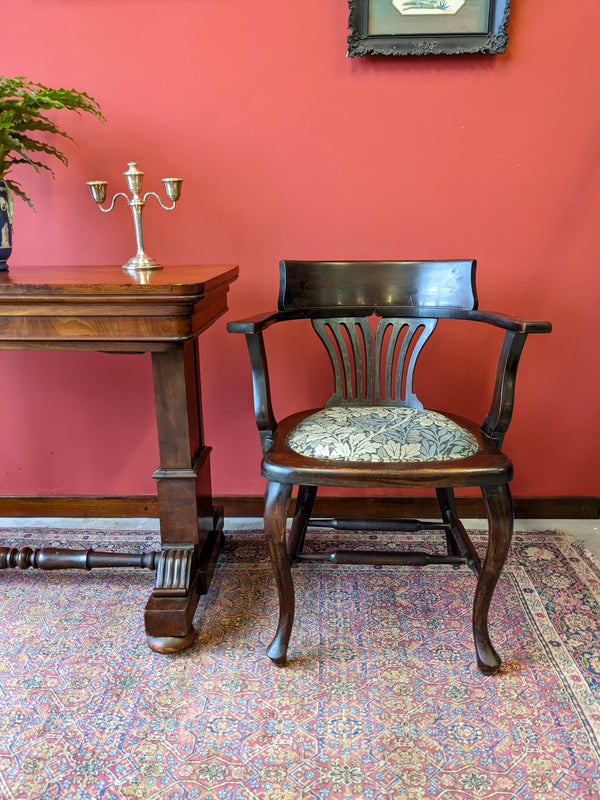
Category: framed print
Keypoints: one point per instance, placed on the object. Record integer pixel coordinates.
(427, 27)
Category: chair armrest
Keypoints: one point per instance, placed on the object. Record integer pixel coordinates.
(511, 323)
(253, 324)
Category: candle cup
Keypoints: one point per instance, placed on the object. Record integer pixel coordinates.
(98, 190)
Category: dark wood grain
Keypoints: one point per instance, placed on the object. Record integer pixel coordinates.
(162, 312)
(345, 284)
(50, 308)
(400, 302)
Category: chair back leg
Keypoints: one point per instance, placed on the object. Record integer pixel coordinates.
(304, 507)
(447, 504)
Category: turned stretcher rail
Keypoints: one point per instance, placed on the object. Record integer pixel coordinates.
(415, 558)
(49, 558)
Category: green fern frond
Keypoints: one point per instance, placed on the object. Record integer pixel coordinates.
(23, 108)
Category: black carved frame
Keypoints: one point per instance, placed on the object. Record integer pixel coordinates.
(492, 42)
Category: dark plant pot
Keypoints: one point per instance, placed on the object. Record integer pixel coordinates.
(5, 227)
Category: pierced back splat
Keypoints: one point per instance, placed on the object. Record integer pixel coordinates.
(373, 369)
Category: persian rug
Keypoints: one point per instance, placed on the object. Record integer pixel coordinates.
(380, 700)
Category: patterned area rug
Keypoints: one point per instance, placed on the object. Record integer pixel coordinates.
(381, 698)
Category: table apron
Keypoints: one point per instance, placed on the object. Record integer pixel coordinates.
(49, 327)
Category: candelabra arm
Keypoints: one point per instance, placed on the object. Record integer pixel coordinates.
(112, 205)
(153, 194)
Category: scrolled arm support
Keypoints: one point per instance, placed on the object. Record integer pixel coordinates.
(496, 423)
(263, 410)
(253, 328)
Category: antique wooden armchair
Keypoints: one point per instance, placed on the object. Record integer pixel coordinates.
(374, 318)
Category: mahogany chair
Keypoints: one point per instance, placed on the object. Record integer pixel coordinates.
(374, 318)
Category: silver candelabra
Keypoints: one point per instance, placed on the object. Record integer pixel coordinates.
(140, 261)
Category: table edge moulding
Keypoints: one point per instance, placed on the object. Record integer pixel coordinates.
(106, 309)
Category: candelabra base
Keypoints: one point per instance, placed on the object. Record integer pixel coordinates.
(141, 261)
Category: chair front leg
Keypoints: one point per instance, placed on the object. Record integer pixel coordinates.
(499, 508)
(277, 498)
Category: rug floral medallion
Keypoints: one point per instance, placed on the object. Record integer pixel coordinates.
(380, 700)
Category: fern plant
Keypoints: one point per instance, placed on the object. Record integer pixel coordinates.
(26, 130)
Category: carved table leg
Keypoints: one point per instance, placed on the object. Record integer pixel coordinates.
(191, 530)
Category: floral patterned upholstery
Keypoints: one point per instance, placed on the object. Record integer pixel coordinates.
(381, 433)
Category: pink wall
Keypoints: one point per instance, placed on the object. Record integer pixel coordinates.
(290, 149)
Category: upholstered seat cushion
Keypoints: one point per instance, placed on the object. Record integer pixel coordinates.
(381, 433)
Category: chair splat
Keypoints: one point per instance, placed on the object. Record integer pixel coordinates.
(374, 367)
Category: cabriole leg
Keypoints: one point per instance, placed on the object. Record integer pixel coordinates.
(277, 498)
(499, 508)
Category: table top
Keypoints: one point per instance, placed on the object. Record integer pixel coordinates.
(113, 280)
(90, 307)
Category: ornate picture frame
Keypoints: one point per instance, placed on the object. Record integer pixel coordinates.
(427, 27)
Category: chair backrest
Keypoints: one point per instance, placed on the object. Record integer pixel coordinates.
(374, 318)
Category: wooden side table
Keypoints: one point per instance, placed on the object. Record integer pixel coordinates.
(163, 312)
